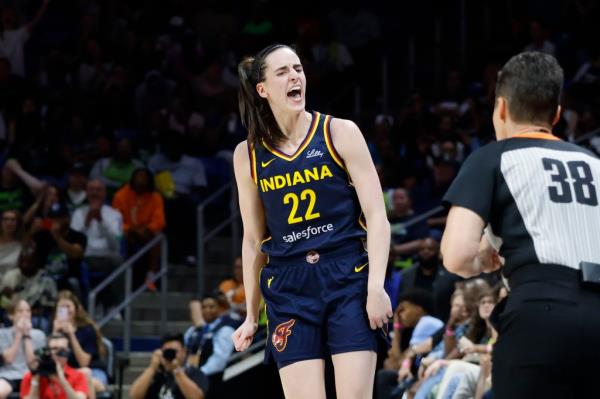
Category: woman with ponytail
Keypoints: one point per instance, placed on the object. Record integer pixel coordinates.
(307, 190)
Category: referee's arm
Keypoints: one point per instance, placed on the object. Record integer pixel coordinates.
(465, 249)
(461, 242)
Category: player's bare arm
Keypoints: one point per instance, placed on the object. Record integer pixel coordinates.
(253, 259)
(352, 147)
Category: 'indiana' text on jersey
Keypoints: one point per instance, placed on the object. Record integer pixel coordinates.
(308, 199)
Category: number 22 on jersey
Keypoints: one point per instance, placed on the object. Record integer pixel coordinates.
(307, 195)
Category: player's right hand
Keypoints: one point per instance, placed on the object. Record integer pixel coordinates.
(242, 337)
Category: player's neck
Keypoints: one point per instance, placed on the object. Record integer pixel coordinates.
(293, 125)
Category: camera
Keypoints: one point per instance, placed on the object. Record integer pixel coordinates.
(169, 354)
(46, 365)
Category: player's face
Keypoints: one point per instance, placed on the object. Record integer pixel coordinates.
(285, 83)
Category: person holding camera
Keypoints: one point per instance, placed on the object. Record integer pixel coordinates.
(166, 377)
(53, 378)
(17, 346)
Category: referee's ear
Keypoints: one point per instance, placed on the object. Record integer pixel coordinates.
(502, 108)
(557, 115)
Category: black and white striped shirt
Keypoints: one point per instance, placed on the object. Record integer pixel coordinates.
(539, 195)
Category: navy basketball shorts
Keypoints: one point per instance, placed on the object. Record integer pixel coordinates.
(316, 305)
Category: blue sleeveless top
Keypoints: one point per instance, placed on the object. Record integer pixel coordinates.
(309, 200)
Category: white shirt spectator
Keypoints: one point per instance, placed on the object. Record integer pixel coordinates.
(16, 369)
(103, 238)
(188, 173)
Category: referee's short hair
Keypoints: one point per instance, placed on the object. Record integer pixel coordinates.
(531, 83)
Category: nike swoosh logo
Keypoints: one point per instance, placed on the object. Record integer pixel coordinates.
(269, 280)
(265, 164)
(357, 269)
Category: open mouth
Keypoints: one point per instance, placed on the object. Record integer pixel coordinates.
(295, 94)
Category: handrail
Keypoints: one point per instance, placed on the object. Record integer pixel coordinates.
(257, 345)
(129, 296)
(202, 237)
(422, 216)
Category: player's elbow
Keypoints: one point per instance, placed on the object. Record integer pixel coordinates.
(459, 262)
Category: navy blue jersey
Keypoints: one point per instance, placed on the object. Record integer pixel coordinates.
(309, 200)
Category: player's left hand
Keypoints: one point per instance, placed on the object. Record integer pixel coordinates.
(379, 307)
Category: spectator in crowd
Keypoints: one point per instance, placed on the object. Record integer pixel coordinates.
(411, 316)
(43, 204)
(13, 38)
(233, 288)
(17, 346)
(181, 179)
(429, 273)
(103, 227)
(31, 283)
(143, 216)
(64, 247)
(456, 328)
(66, 383)
(11, 234)
(167, 377)
(210, 346)
(86, 350)
(76, 187)
(13, 193)
(393, 277)
(406, 241)
(117, 170)
(459, 378)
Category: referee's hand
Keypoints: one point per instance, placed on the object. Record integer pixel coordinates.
(379, 308)
(488, 258)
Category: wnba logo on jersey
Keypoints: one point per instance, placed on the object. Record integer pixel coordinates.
(281, 334)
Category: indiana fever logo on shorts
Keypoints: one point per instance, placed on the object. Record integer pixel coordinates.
(281, 334)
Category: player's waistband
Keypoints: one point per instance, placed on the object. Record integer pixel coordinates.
(314, 257)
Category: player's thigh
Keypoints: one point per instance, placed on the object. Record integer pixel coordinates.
(354, 374)
(5, 388)
(304, 379)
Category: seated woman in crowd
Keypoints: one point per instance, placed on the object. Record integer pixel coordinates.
(11, 233)
(459, 378)
(17, 346)
(87, 350)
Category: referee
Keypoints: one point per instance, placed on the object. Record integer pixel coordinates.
(538, 197)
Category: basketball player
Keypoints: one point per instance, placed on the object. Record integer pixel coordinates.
(539, 196)
(305, 182)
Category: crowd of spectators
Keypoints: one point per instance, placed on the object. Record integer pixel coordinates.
(118, 117)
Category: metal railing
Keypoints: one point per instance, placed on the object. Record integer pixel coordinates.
(423, 216)
(131, 296)
(202, 237)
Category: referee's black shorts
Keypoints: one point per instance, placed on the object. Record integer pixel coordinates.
(549, 337)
